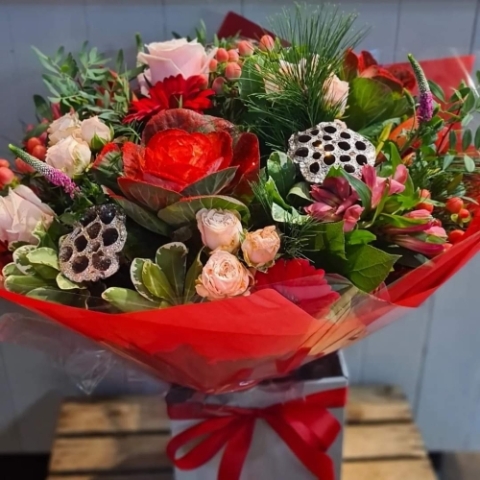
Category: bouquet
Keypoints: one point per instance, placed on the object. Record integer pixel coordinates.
(227, 212)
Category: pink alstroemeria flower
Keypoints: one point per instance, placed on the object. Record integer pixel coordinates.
(424, 217)
(377, 185)
(334, 201)
(418, 245)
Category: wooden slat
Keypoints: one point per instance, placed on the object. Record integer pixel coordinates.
(129, 414)
(377, 404)
(382, 441)
(388, 470)
(107, 454)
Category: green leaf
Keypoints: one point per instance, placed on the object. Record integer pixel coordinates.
(184, 211)
(21, 259)
(48, 273)
(477, 139)
(398, 221)
(359, 237)
(283, 172)
(24, 283)
(467, 139)
(150, 196)
(469, 103)
(394, 157)
(367, 267)
(452, 140)
(292, 216)
(330, 237)
(437, 90)
(454, 183)
(300, 190)
(51, 294)
(361, 188)
(42, 108)
(128, 300)
(156, 282)
(190, 280)
(467, 119)
(63, 283)
(172, 258)
(211, 184)
(447, 161)
(141, 216)
(469, 163)
(136, 275)
(274, 195)
(10, 269)
(44, 256)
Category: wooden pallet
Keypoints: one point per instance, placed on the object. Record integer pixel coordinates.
(125, 439)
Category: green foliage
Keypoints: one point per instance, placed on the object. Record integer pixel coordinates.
(282, 171)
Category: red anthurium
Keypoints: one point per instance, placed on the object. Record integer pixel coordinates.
(173, 92)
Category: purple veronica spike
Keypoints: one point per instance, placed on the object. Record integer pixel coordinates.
(425, 107)
(54, 176)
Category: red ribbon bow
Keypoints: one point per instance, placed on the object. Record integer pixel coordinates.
(305, 425)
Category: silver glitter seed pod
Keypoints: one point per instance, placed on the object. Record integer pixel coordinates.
(91, 252)
(330, 144)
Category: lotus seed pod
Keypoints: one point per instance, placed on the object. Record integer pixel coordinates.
(327, 145)
(91, 252)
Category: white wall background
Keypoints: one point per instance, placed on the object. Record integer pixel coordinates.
(434, 354)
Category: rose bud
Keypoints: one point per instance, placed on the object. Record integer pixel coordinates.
(267, 43)
(70, 155)
(261, 247)
(245, 48)
(222, 55)
(336, 93)
(233, 71)
(220, 229)
(233, 55)
(63, 127)
(218, 84)
(95, 133)
(223, 276)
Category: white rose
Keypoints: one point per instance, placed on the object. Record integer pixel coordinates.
(261, 247)
(172, 58)
(69, 155)
(95, 133)
(223, 276)
(20, 212)
(336, 93)
(220, 229)
(63, 127)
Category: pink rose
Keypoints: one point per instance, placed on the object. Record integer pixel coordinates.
(336, 93)
(223, 276)
(220, 229)
(172, 58)
(261, 247)
(20, 212)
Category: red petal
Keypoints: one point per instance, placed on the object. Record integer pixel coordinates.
(351, 63)
(133, 160)
(108, 148)
(365, 60)
(246, 156)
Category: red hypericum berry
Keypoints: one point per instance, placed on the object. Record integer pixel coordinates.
(455, 236)
(233, 71)
(267, 43)
(217, 85)
(23, 167)
(436, 222)
(425, 206)
(32, 143)
(221, 55)
(213, 65)
(425, 194)
(233, 55)
(447, 247)
(464, 214)
(6, 176)
(454, 204)
(39, 152)
(245, 48)
(4, 163)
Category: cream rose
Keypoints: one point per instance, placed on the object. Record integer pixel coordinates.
(95, 133)
(336, 93)
(69, 155)
(174, 57)
(20, 212)
(63, 127)
(261, 247)
(220, 229)
(223, 276)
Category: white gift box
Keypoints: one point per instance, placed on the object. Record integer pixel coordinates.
(268, 457)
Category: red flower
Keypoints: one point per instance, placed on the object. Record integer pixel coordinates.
(365, 65)
(175, 158)
(173, 92)
(301, 283)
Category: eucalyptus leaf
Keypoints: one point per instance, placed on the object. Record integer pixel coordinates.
(452, 140)
(282, 171)
(128, 300)
(156, 282)
(172, 258)
(466, 139)
(469, 163)
(447, 161)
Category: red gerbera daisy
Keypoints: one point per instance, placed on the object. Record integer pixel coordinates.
(173, 92)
